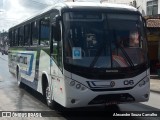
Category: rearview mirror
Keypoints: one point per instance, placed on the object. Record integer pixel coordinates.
(144, 22)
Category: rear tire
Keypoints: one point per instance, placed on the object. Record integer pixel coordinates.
(19, 83)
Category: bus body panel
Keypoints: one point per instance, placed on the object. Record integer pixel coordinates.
(84, 97)
(57, 84)
(106, 84)
(44, 69)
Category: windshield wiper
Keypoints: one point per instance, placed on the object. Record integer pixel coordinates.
(126, 55)
(122, 49)
(98, 54)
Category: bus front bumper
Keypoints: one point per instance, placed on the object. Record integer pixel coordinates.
(87, 97)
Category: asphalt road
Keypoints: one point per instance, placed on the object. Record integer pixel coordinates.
(13, 98)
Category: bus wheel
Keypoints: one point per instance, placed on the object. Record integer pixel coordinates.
(51, 103)
(19, 79)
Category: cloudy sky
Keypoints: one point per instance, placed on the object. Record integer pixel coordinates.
(15, 11)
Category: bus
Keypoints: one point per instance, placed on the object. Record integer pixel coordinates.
(80, 54)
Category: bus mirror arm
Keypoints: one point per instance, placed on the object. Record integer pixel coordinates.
(144, 21)
(56, 33)
(57, 19)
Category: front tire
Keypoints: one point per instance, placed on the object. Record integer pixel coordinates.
(48, 96)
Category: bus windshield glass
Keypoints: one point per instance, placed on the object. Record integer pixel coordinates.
(104, 40)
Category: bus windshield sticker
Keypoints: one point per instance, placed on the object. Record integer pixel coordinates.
(76, 53)
(91, 40)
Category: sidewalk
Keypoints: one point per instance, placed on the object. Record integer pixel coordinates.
(154, 79)
(4, 57)
(155, 83)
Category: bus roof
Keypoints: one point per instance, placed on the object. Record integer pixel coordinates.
(99, 5)
(82, 6)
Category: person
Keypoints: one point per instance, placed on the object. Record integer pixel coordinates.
(134, 39)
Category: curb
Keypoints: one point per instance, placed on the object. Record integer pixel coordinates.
(3, 59)
(155, 91)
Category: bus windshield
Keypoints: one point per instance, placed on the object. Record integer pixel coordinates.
(104, 40)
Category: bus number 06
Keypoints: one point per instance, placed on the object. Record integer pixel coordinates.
(128, 82)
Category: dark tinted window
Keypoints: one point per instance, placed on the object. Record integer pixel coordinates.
(21, 36)
(44, 30)
(27, 34)
(16, 37)
(34, 36)
(13, 38)
(10, 37)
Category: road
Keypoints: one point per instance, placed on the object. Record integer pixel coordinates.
(16, 99)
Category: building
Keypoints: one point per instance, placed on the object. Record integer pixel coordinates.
(153, 28)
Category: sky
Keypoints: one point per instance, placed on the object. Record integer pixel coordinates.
(15, 11)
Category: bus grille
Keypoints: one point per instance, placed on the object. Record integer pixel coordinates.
(112, 98)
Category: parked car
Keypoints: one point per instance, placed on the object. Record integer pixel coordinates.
(4, 50)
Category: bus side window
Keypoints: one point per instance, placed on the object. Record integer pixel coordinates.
(10, 38)
(13, 38)
(27, 35)
(21, 36)
(57, 51)
(16, 37)
(44, 31)
(21, 59)
(34, 34)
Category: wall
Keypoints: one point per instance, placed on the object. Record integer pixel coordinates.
(141, 4)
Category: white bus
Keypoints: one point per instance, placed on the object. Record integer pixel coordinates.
(83, 54)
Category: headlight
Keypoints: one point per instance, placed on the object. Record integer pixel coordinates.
(143, 82)
(77, 85)
(72, 83)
